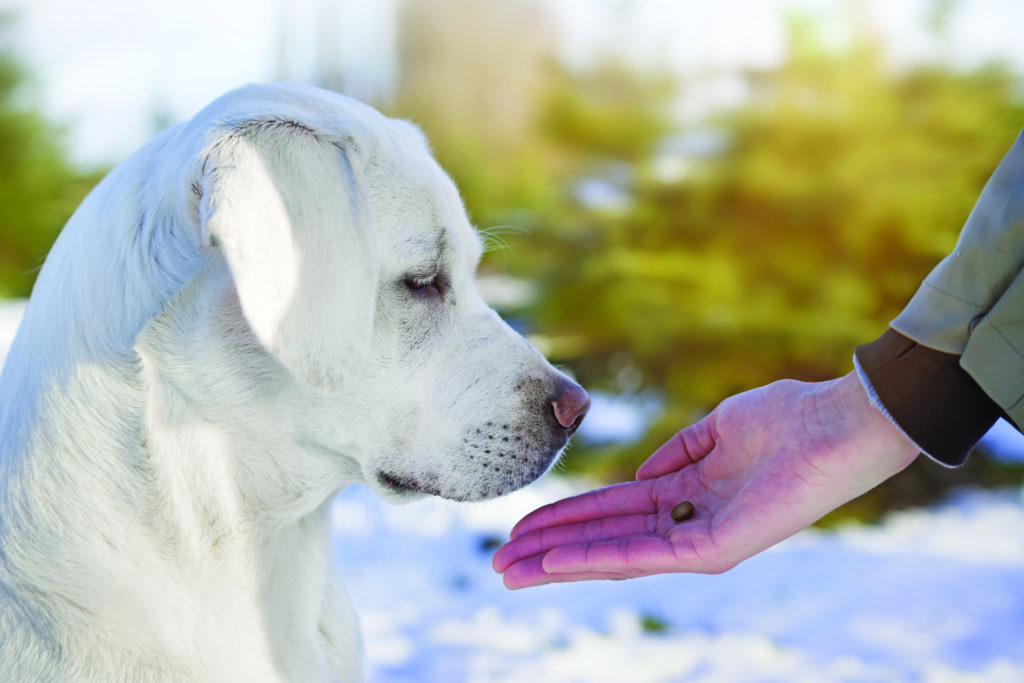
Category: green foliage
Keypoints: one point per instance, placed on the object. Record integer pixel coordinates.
(652, 623)
(801, 233)
(610, 112)
(39, 189)
(835, 188)
(839, 188)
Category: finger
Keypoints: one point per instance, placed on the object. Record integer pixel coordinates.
(530, 572)
(541, 540)
(632, 556)
(684, 448)
(612, 501)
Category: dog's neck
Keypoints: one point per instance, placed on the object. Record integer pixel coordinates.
(159, 533)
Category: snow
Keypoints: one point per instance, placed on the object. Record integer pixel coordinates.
(620, 418)
(1004, 442)
(10, 316)
(929, 595)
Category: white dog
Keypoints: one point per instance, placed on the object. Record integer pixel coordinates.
(263, 305)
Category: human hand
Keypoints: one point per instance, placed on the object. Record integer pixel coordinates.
(765, 464)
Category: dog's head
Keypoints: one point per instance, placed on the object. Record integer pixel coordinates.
(352, 262)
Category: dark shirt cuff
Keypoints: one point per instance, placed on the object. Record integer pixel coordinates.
(928, 395)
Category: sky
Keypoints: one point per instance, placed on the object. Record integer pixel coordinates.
(106, 67)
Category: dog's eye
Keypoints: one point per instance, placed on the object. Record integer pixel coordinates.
(424, 286)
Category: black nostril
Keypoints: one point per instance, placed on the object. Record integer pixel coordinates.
(576, 423)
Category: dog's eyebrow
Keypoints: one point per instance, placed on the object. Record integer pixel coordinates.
(436, 245)
(441, 244)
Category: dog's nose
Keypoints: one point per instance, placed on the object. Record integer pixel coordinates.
(571, 404)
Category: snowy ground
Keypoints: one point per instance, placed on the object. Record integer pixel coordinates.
(933, 595)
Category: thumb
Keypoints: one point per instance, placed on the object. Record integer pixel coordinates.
(684, 448)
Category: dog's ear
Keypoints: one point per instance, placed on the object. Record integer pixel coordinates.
(286, 208)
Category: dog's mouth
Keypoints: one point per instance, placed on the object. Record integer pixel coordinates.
(403, 484)
(506, 471)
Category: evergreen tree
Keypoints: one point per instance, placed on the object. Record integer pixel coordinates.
(39, 188)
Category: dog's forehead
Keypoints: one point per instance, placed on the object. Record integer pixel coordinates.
(450, 245)
(417, 209)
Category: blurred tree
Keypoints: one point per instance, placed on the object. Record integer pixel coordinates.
(39, 188)
(609, 113)
(837, 187)
(473, 74)
(515, 129)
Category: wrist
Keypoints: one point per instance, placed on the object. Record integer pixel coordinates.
(866, 439)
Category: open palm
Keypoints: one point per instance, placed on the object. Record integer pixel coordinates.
(762, 466)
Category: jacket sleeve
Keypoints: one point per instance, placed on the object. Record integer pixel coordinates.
(953, 360)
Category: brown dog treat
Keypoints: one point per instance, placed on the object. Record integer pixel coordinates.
(683, 511)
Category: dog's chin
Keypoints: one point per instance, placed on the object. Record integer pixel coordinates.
(396, 488)
(402, 488)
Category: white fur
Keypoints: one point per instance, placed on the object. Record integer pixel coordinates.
(224, 336)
